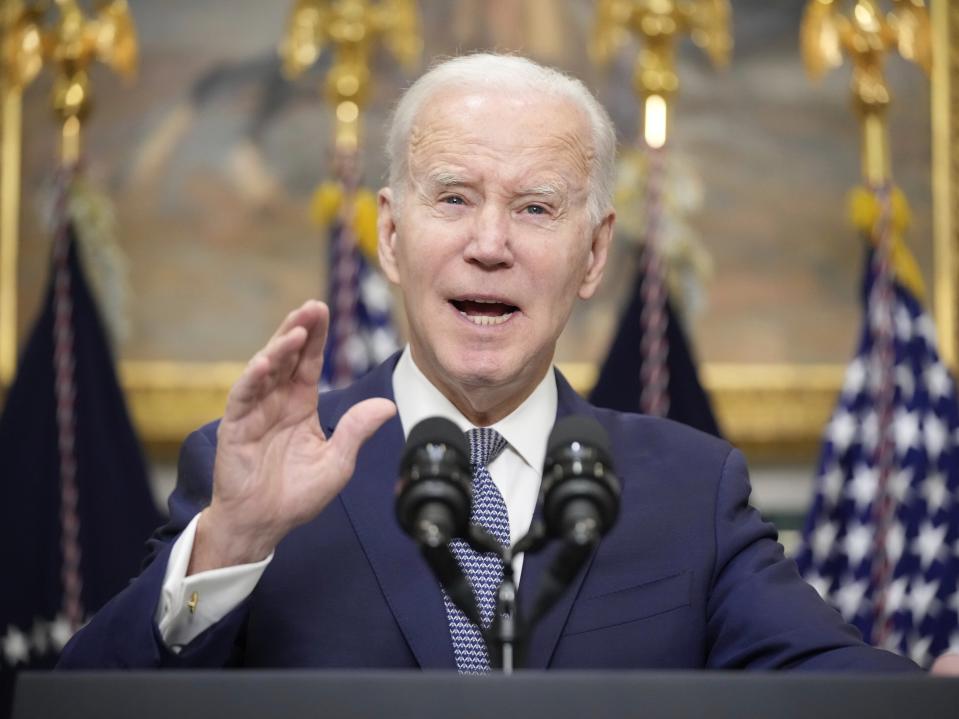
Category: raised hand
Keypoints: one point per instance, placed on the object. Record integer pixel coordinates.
(274, 468)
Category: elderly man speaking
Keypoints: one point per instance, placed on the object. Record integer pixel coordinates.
(282, 549)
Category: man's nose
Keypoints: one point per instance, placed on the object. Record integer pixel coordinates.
(490, 243)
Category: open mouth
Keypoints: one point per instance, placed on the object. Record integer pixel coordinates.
(484, 312)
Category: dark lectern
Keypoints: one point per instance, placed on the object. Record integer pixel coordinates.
(244, 694)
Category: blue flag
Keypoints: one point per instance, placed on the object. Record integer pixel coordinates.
(881, 542)
(75, 506)
(361, 333)
(619, 385)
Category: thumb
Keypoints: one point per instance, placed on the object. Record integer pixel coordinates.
(357, 426)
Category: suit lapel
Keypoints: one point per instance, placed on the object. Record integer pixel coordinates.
(410, 589)
(546, 633)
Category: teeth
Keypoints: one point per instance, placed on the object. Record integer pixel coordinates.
(486, 321)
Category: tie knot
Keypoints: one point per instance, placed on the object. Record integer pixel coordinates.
(485, 444)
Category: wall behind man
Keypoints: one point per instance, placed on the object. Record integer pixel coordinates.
(211, 158)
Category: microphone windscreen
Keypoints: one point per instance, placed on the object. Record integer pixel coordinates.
(434, 430)
(577, 428)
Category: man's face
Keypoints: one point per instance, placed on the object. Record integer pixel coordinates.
(491, 242)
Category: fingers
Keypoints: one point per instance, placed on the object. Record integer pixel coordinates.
(306, 315)
(311, 358)
(301, 335)
(269, 367)
(314, 316)
(357, 426)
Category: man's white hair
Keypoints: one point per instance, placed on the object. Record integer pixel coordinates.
(506, 72)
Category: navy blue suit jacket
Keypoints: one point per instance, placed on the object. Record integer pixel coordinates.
(690, 576)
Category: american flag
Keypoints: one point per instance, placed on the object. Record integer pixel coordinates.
(361, 333)
(881, 542)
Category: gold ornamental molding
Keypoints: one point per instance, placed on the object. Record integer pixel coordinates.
(769, 410)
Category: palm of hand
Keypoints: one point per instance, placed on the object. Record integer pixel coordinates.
(274, 468)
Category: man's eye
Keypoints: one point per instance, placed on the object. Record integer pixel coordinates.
(535, 210)
(453, 200)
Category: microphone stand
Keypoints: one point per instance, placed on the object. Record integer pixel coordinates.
(509, 631)
(573, 554)
(507, 635)
(505, 632)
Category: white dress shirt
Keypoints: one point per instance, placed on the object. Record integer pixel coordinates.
(516, 472)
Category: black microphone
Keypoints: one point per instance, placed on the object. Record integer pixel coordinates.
(434, 493)
(580, 489)
(433, 501)
(580, 496)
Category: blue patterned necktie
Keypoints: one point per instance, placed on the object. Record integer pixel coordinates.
(485, 571)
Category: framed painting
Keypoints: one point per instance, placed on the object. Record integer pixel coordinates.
(211, 158)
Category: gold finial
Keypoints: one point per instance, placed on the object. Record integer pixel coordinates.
(862, 30)
(659, 24)
(72, 44)
(350, 28)
(21, 52)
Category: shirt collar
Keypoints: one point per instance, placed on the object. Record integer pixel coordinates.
(526, 428)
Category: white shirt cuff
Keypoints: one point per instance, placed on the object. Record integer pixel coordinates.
(190, 605)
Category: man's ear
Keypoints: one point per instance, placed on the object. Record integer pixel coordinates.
(386, 234)
(598, 253)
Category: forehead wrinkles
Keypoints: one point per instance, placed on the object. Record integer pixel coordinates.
(533, 142)
(580, 154)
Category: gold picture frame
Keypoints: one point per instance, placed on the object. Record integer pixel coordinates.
(772, 411)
